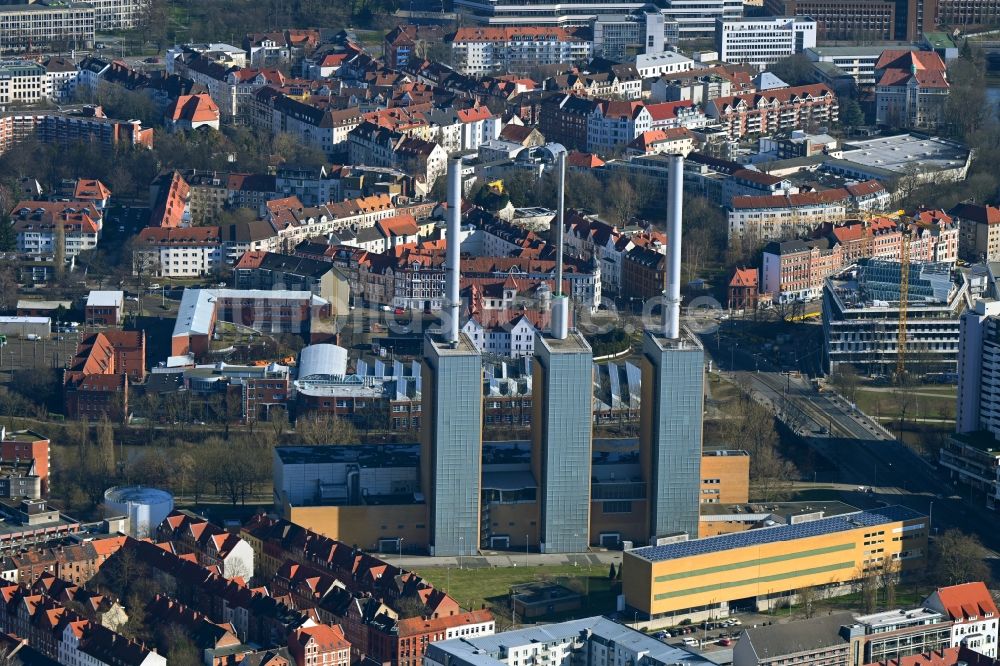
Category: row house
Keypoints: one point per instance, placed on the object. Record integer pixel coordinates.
(75, 563)
(178, 252)
(465, 129)
(619, 82)
(643, 273)
(501, 333)
(586, 236)
(257, 616)
(795, 270)
(326, 130)
(213, 546)
(486, 49)
(42, 225)
(62, 635)
(773, 111)
(294, 222)
(565, 119)
(244, 84)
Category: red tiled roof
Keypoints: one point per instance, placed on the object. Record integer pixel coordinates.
(779, 95)
(744, 277)
(791, 200)
(180, 236)
(968, 600)
(509, 34)
(899, 67)
(91, 188)
(667, 110)
(194, 108)
(583, 160)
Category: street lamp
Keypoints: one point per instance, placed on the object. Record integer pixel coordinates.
(526, 550)
(930, 518)
(461, 550)
(400, 544)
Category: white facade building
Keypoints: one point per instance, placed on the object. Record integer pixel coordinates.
(666, 62)
(970, 606)
(478, 51)
(696, 18)
(516, 339)
(978, 405)
(764, 41)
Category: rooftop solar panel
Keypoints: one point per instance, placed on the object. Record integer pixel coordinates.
(764, 535)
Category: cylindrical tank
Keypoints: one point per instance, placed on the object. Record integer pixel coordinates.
(145, 507)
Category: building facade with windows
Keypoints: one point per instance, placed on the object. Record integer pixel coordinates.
(763, 41)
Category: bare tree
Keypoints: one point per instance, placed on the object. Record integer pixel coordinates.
(958, 558)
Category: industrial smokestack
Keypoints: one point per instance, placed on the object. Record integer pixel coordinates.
(453, 267)
(560, 302)
(672, 289)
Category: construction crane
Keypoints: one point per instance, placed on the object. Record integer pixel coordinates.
(904, 299)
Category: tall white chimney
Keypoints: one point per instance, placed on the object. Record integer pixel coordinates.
(560, 302)
(452, 266)
(672, 291)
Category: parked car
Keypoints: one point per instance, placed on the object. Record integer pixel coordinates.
(725, 642)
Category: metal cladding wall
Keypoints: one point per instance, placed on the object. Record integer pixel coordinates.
(673, 400)
(24, 326)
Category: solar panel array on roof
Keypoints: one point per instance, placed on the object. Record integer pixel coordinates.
(765, 535)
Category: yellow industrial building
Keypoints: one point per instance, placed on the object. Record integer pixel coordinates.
(759, 568)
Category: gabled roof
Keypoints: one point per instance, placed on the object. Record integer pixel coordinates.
(901, 67)
(966, 601)
(744, 277)
(668, 110)
(194, 109)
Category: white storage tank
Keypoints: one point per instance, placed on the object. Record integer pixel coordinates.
(145, 507)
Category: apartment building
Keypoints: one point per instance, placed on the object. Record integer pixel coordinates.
(764, 41)
(40, 25)
(856, 61)
(88, 125)
(477, 51)
(615, 124)
(178, 252)
(773, 111)
(911, 90)
(979, 231)
(40, 225)
(796, 270)
(973, 615)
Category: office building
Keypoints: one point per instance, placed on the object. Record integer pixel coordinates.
(24, 82)
(696, 19)
(764, 41)
(46, 24)
(619, 37)
(861, 317)
(862, 20)
(766, 566)
(966, 14)
(597, 641)
(544, 13)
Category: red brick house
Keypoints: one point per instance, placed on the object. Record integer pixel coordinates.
(743, 293)
(321, 645)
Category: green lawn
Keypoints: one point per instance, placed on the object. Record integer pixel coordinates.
(927, 402)
(475, 587)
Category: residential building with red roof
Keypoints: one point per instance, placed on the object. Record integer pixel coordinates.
(213, 546)
(971, 608)
(743, 289)
(613, 124)
(96, 384)
(190, 112)
(978, 230)
(171, 201)
(677, 141)
(92, 190)
(178, 252)
(38, 225)
(320, 645)
(772, 111)
(485, 49)
(911, 89)
(683, 113)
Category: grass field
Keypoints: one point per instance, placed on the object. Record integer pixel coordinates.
(925, 402)
(476, 587)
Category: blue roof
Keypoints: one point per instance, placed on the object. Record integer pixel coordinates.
(764, 535)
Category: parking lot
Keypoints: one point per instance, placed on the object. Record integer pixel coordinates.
(23, 354)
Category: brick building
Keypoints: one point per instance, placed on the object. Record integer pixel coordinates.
(97, 381)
